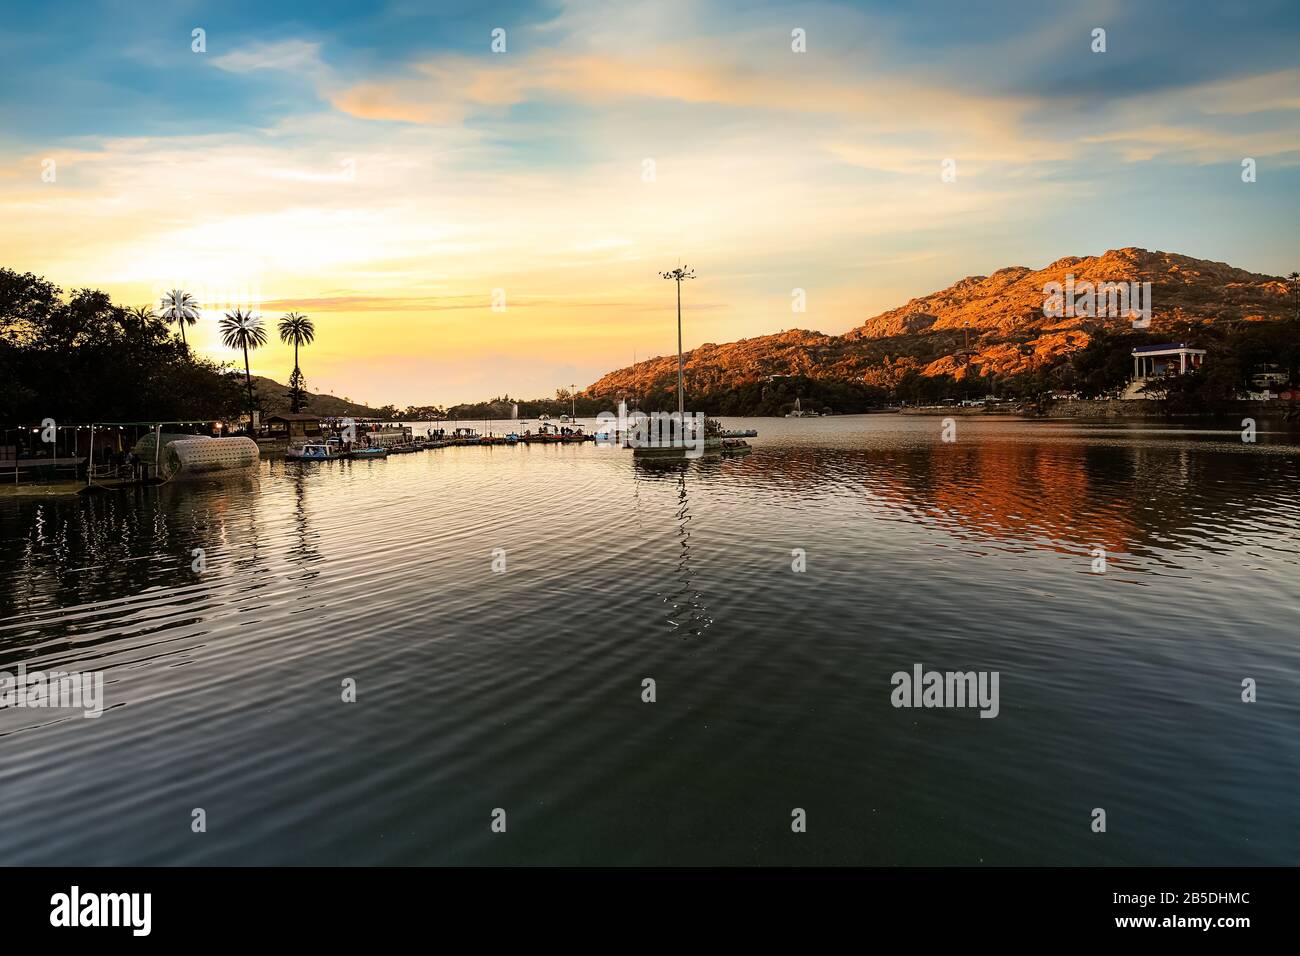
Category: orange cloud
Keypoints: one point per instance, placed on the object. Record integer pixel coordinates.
(380, 101)
(449, 86)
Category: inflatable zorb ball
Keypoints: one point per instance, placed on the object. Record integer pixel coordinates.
(202, 457)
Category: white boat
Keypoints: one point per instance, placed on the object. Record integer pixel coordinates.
(317, 451)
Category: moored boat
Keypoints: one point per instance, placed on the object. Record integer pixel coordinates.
(366, 453)
(313, 451)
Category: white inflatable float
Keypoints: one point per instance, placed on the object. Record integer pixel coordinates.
(201, 457)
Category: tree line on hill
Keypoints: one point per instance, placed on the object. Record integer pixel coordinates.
(1101, 369)
(1234, 355)
(501, 407)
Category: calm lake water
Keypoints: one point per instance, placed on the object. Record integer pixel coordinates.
(522, 690)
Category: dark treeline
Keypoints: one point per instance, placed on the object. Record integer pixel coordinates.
(1104, 367)
(1234, 354)
(1100, 370)
(80, 358)
(755, 398)
(497, 408)
(774, 397)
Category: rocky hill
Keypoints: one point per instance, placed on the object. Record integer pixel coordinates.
(1001, 316)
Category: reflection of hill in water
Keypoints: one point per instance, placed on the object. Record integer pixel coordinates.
(1064, 494)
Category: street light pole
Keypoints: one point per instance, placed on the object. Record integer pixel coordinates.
(681, 383)
(677, 275)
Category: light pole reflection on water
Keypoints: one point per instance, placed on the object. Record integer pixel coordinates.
(686, 603)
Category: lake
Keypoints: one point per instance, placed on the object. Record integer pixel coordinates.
(520, 688)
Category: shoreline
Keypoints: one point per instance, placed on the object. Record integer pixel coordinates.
(1110, 408)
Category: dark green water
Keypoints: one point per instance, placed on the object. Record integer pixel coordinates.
(522, 690)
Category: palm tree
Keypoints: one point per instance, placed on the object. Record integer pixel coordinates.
(298, 329)
(244, 330)
(180, 307)
(140, 317)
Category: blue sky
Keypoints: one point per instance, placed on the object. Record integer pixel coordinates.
(378, 165)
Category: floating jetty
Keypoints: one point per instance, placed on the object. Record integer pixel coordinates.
(400, 440)
(380, 441)
(550, 439)
(118, 455)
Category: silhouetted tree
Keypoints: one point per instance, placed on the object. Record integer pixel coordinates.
(80, 358)
(244, 330)
(298, 329)
(180, 308)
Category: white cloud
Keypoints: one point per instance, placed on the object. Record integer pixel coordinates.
(300, 56)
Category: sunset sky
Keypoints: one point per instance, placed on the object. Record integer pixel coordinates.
(378, 167)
